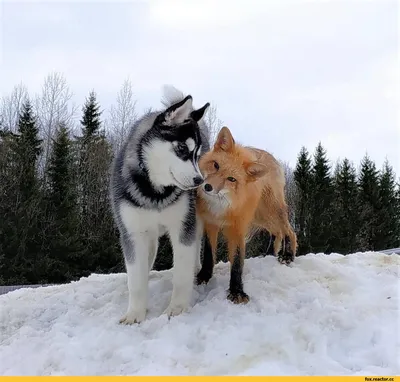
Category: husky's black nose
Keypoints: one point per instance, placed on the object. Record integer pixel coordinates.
(198, 180)
(208, 187)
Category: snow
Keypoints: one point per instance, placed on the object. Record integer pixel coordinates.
(322, 315)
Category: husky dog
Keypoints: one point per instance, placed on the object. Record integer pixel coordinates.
(153, 185)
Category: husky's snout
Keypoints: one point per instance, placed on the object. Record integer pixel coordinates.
(198, 181)
(186, 181)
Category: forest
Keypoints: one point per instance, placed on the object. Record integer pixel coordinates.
(56, 224)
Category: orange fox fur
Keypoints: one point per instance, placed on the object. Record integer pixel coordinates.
(242, 193)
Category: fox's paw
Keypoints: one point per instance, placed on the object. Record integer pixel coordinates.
(203, 277)
(133, 317)
(238, 297)
(286, 258)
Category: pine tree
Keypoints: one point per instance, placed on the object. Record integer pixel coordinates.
(59, 170)
(96, 223)
(388, 224)
(368, 205)
(91, 117)
(63, 241)
(321, 203)
(345, 214)
(24, 240)
(303, 179)
(8, 238)
(28, 149)
(88, 146)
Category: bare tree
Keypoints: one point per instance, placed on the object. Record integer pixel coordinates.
(11, 105)
(123, 114)
(52, 107)
(290, 191)
(214, 123)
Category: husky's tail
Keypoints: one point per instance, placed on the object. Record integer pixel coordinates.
(173, 95)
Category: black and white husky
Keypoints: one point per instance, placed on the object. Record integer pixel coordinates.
(153, 190)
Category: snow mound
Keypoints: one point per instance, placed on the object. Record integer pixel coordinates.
(335, 315)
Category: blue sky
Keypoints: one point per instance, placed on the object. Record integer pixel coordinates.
(283, 74)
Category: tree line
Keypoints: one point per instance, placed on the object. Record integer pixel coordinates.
(339, 209)
(56, 223)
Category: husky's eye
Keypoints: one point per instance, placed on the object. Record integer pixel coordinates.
(181, 147)
(231, 179)
(216, 165)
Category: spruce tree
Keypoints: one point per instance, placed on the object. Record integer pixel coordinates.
(28, 261)
(303, 179)
(87, 175)
(91, 117)
(368, 205)
(62, 239)
(345, 214)
(8, 180)
(98, 231)
(388, 224)
(321, 206)
(87, 146)
(28, 149)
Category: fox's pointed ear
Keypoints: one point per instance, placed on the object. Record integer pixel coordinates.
(198, 114)
(256, 170)
(225, 141)
(178, 112)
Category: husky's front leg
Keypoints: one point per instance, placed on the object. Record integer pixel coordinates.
(186, 244)
(137, 269)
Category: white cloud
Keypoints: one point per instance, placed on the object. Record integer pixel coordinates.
(282, 73)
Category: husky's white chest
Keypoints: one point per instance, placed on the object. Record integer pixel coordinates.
(142, 220)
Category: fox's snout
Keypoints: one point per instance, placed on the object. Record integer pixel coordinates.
(212, 187)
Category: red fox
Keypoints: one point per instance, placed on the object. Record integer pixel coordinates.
(243, 192)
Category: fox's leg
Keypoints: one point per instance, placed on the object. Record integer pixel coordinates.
(282, 231)
(277, 243)
(288, 254)
(293, 240)
(210, 239)
(236, 252)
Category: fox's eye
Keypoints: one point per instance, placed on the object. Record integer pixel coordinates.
(231, 179)
(216, 165)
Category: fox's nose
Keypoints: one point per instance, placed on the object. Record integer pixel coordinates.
(198, 180)
(208, 187)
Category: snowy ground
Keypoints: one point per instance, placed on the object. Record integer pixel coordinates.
(335, 315)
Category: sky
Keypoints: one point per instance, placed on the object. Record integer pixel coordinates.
(283, 74)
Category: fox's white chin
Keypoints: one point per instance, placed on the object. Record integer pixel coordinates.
(217, 203)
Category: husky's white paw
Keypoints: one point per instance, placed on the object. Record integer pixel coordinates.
(175, 310)
(133, 317)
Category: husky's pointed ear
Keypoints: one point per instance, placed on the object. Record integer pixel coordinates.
(179, 111)
(255, 171)
(225, 141)
(198, 114)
